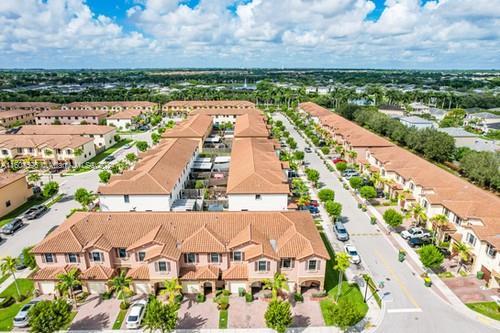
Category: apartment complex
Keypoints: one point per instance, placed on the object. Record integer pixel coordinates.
(14, 191)
(197, 127)
(37, 106)
(182, 108)
(17, 117)
(71, 117)
(112, 107)
(205, 251)
(50, 149)
(125, 119)
(103, 136)
(473, 214)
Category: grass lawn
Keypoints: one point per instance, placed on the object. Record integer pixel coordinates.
(348, 291)
(70, 321)
(223, 318)
(16, 212)
(489, 309)
(7, 314)
(99, 157)
(119, 319)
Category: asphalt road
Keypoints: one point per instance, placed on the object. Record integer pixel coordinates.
(410, 306)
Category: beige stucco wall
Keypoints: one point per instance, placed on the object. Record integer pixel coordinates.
(17, 193)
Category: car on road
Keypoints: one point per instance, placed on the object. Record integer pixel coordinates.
(13, 226)
(348, 173)
(314, 203)
(308, 150)
(143, 128)
(354, 257)
(20, 262)
(21, 318)
(313, 209)
(127, 146)
(340, 231)
(136, 314)
(419, 241)
(35, 212)
(414, 232)
(109, 158)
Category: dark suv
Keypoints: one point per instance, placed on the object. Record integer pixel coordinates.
(12, 226)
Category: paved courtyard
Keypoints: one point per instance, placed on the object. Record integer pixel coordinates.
(246, 315)
(307, 314)
(96, 314)
(470, 289)
(194, 315)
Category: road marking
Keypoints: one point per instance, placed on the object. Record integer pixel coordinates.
(397, 279)
(407, 310)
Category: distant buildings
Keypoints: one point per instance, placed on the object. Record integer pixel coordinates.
(417, 122)
(470, 140)
(71, 117)
(393, 111)
(112, 107)
(483, 121)
(17, 117)
(124, 120)
(36, 106)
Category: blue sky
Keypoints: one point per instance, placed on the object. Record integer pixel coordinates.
(434, 34)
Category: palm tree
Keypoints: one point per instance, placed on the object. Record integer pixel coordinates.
(439, 221)
(121, 285)
(69, 281)
(464, 252)
(278, 283)
(78, 152)
(342, 263)
(34, 177)
(9, 266)
(172, 289)
(303, 200)
(418, 213)
(376, 179)
(352, 154)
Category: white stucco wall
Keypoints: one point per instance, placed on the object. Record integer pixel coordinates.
(268, 202)
(140, 203)
(121, 124)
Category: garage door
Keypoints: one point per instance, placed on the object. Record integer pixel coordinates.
(47, 287)
(235, 286)
(96, 287)
(141, 288)
(190, 287)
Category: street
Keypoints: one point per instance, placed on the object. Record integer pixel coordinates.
(410, 306)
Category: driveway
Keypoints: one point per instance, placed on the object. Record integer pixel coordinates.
(194, 315)
(96, 314)
(470, 289)
(307, 313)
(246, 315)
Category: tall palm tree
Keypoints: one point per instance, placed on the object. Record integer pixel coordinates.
(172, 289)
(439, 221)
(375, 178)
(278, 283)
(69, 281)
(418, 213)
(9, 266)
(464, 252)
(342, 263)
(121, 285)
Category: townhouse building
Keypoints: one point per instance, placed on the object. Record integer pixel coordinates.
(126, 119)
(155, 182)
(205, 251)
(182, 108)
(228, 115)
(251, 126)
(473, 214)
(14, 191)
(112, 107)
(71, 117)
(483, 121)
(37, 106)
(50, 149)
(17, 117)
(103, 136)
(197, 127)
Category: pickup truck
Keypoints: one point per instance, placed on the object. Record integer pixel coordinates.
(415, 232)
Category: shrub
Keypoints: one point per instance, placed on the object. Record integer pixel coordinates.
(248, 297)
(430, 256)
(345, 314)
(368, 192)
(83, 296)
(142, 145)
(59, 312)
(278, 315)
(325, 150)
(107, 295)
(200, 298)
(104, 176)
(178, 298)
(50, 189)
(124, 305)
(298, 297)
(20, 298)
(326, 194)
(341, 166)
(393, 218)
(356, 182)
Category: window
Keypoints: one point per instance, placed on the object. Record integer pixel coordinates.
(141, 256)
(287, 263)
(96, 257)
(5, 152)
(237, 256)
(122, 253)
(258, 197)
(72, 258)
(68, 151)
(19, 150)
(214, 257)
(7, 203)
(49, 258)
(312, 265)
(471, 239)
(30, 150)
(126, 198)
(190, 258)
(262, 266)
(163, 266)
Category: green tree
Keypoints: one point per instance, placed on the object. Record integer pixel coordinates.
(325, 150)
(49, 316)
(34, 177)
(482, 167)
(28, 258)
(334, 209)
(418, 212)
(298, 155)
(312, 176)
(393, 218)
(84, 197)
(131, 157)
(344, 314)
(278, 315)
(142, 145)
(430, 256)
(342, 263)
(326, 194)
(172, 289)
(67, 282)
(121, 285)
(78, 152)
(155, 137)
(356, 182)
(115, 169)
(341, 166)
(439, 147)
(104, 176)
(50, 189)
(159, 316)
(276, 284)
(199, 184)
(367, 192)
(8, 266)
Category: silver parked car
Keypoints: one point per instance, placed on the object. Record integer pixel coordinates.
(21, 318)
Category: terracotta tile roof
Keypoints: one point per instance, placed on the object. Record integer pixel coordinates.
(230, 112)
(43, 141)
(198, 126)
(73, 113)
(250, 126)
(255, 168)
(97, 272)
(28, 105)
(210, 104)
(208, 272)
(66, 129)
(127, 114)
(157, 171)
(236, 272)
(7, 178)
(185, 232)
(314, 109)
(111, 104)
(140, 273)
(16, 113)
(51, 273)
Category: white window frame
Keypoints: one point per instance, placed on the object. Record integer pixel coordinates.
(309, 262)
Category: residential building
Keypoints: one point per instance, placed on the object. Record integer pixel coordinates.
(257, 180)
(393, 111)
(438, 114)
(230, 115)
(112, 107)
(71, 117)
(185, 107)
(419, 108)
(37, 106)
(483, 121)
(417, 122)
(251, 126)
(470, 140)
(156, 180)
(205, 251)
(51, 149)
(124, 120)
(17, 117)
(196, 127)
(103, 136)
(14, 191)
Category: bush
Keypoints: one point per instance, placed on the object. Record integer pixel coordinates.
(50, 189)
(248, 297)
(82, 297)
(341, 166)
(241, 292)
(430, 256)
(200, 298)
(368, 192)
(104, 176)
(356, 182)
(59, 312)
(278, 315)
(7, 301)
(142, 145)
(393, 218)
(20, 298)
(345, 314)
(325, 150)
(107, 295)
(298, 297)
(326, 194)
(124, 305)
(178, 298)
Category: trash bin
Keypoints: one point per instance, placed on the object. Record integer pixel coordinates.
(480, 275)
(401, 256)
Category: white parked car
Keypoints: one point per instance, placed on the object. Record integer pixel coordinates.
(414, 232)
(21, 318)
(354, 257)
(135, 314)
